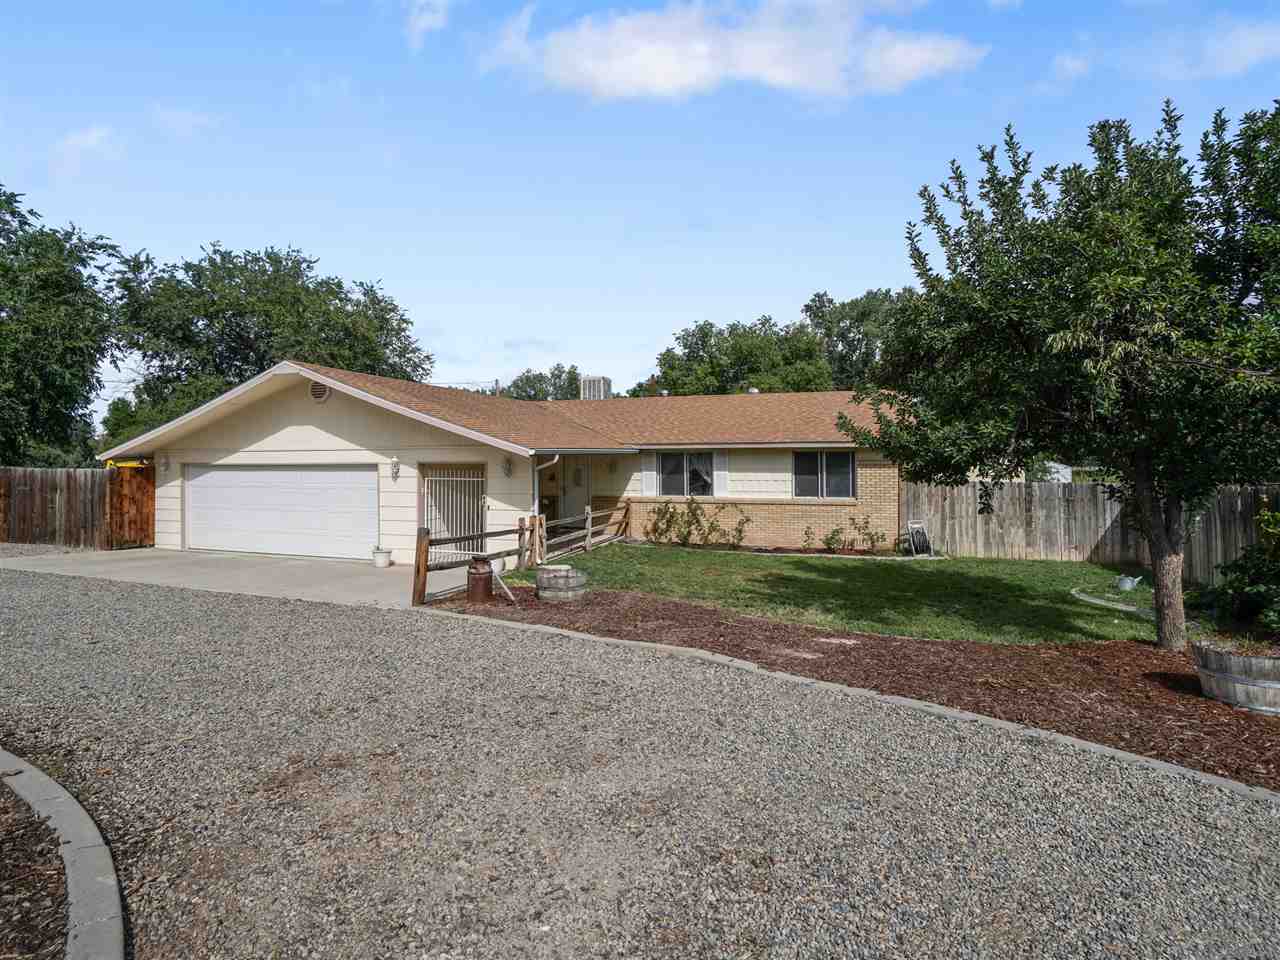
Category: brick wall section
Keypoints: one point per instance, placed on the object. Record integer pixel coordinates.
(781, 522)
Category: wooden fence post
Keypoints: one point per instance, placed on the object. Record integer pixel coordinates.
(588, 543)
(542, 539)
(421, 552)
(522, 544)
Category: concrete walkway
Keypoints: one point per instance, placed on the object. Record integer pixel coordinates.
(298, 578)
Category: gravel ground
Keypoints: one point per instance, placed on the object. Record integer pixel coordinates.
(280, 778)
(31, 549)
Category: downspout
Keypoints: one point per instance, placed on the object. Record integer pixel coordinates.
(538, 468)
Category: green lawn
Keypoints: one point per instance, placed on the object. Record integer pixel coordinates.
(996, 601)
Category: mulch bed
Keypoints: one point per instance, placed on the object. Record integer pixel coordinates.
(1126, 695)
(33, 895)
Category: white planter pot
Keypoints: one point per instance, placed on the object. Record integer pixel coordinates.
(382, 558)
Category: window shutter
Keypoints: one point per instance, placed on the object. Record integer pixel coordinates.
(649, 474)
(721, 458)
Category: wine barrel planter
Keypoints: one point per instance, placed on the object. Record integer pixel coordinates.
(560, 583)
(1252, 683)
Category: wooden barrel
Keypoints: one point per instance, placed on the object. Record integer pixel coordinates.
(560, 583)
(1252, 683)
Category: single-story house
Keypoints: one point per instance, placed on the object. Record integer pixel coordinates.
(314, 461)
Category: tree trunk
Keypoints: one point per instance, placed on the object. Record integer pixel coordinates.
(1166, 535)
(1171, 621)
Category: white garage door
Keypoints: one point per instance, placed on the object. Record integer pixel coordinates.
(301, 511)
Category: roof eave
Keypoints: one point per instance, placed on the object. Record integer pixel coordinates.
(748, 444)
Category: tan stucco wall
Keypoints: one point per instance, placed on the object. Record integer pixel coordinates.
(622, 481)
(290, 428)
(759, 473)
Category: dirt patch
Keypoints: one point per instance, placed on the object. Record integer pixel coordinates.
(33, 893)
(1125, 695)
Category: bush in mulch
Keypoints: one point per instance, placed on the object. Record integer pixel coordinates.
(33, 895)
(1122, 694)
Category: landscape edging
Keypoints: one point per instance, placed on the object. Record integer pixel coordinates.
(95, 910)
(1261, 794)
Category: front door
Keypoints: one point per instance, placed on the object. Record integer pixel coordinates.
(575, 486)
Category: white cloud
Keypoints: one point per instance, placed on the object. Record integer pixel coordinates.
(423, 17)
(1236, 47)
(72, 152)
(685, 48)
(180, 122)
(1067, 67)
(893, 60)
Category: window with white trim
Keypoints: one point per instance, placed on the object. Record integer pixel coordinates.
(824, 473)
(686, 474)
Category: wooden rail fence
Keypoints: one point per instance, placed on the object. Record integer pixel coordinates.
(108, 509)
(532, 546)
(1075, 521)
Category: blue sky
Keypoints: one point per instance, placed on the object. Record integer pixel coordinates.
(574, 181)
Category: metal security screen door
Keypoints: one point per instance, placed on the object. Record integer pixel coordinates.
(453, 506)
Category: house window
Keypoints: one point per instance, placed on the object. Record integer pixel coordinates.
(824, 473)
(686, 474)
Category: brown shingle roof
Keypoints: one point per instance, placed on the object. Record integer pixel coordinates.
(738, 418)
(529, 424)
(622, 423)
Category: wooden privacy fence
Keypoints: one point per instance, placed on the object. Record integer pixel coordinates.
(108, 509)
(1075, 521)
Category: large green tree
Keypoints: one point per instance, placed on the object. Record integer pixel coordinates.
(55, 333)
(558, 383)
(201, 326)
(1120, 312)
(731, 359)
(850, 331)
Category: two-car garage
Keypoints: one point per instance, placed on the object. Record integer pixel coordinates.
(300, 463)
(316, 511)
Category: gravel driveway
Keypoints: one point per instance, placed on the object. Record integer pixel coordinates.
(281, 778)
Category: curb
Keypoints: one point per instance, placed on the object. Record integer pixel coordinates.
(95, 917)
(1260, 794)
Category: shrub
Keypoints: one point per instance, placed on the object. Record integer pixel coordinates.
(834, 540)
(1250, 590)
(809, 539)
(683, 524)
(862, 532)
(663, 524)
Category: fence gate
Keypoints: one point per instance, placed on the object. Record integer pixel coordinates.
(453, 506)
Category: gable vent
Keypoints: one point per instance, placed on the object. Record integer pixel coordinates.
(319, 391)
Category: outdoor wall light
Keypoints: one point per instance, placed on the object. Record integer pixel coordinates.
(164, 464)
(613, 466)
(507, 467)
(395, 469)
